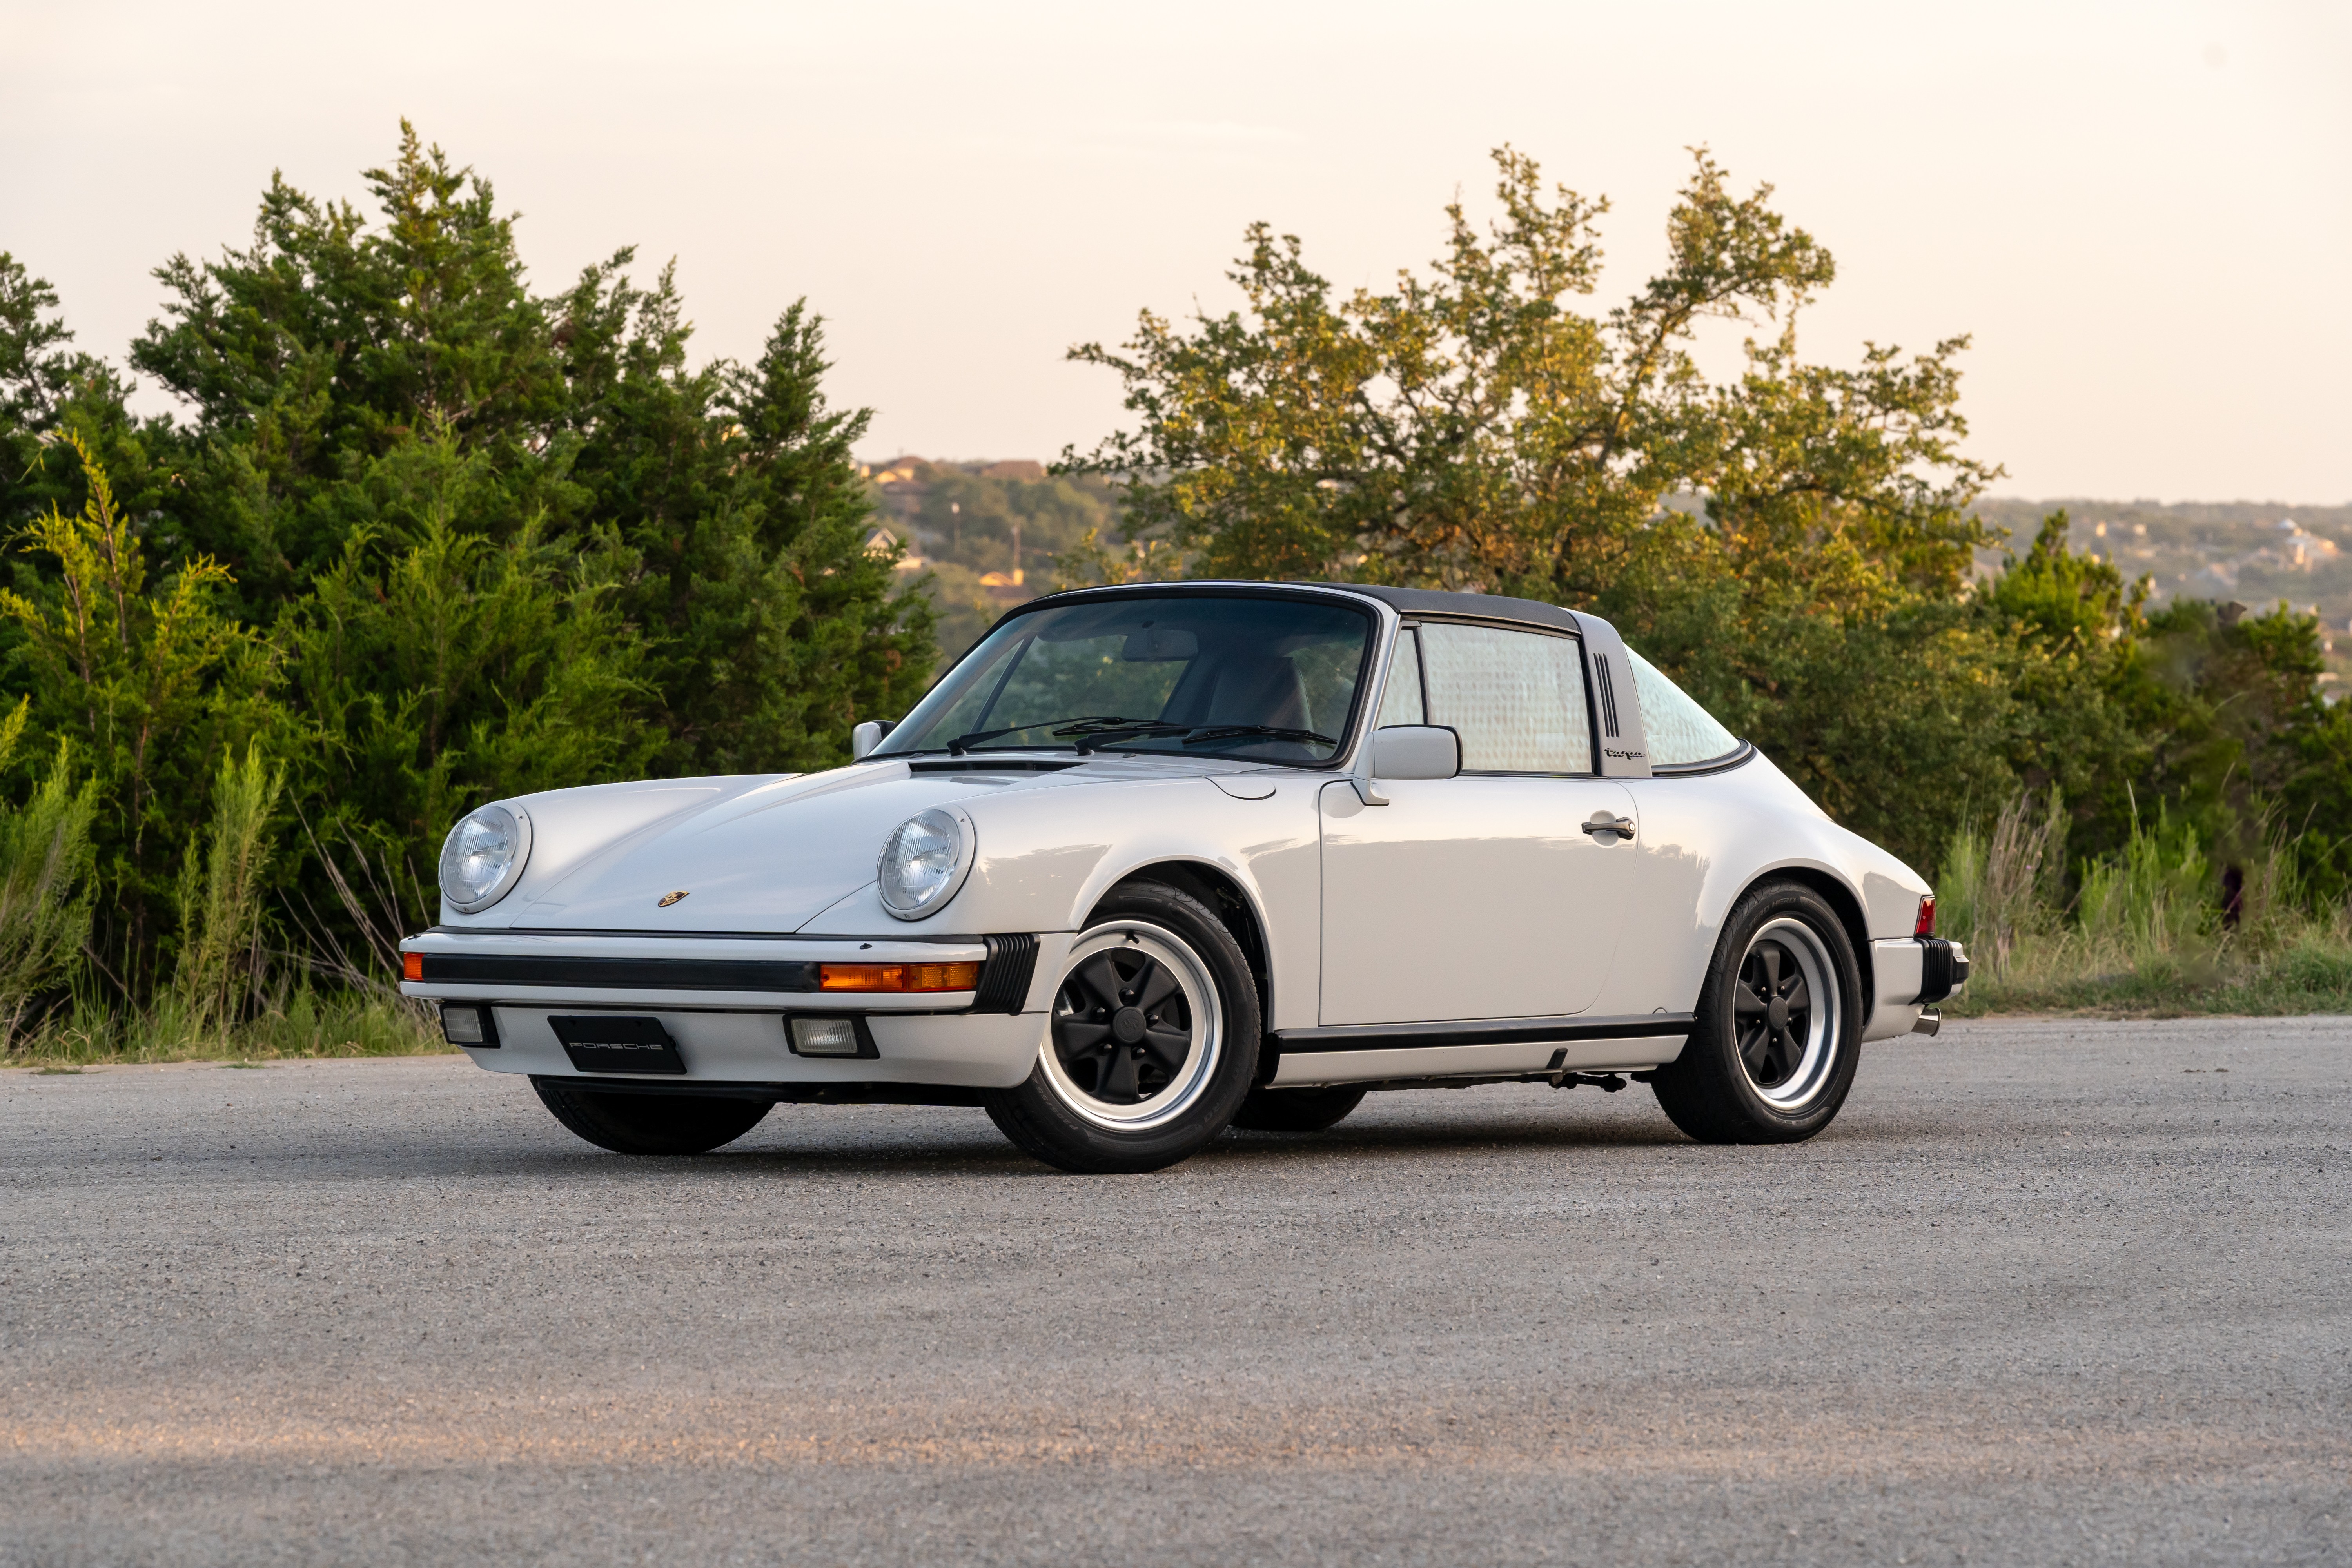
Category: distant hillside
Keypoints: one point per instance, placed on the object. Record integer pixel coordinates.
(987, 532)
(2256, 553)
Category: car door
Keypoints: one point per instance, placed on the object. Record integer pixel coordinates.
(1481, 896)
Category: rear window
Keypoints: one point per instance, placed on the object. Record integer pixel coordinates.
(1680, 731)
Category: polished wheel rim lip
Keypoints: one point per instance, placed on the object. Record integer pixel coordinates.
(1786, 1052)
(1128, 942)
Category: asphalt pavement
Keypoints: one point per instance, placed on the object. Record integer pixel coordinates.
(2046, 1292)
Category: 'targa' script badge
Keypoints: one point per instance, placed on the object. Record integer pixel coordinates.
(670, 899)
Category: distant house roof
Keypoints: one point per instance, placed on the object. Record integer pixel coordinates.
(898, 470)
(1013, 468)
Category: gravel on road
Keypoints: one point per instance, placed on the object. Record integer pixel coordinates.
(2046, 1292)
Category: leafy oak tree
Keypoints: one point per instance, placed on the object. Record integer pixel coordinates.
(1473, 427)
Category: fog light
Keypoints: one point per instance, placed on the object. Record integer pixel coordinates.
(467, 1023)
(826, 1037)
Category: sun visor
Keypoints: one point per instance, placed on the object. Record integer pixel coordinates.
(1616, 703)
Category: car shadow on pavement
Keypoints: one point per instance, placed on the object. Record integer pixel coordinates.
(1450, 1137)
(981, 1151)
(956, 1151)
(873, 1140)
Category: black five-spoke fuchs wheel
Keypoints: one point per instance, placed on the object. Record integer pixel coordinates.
(649, 1123)
(1152, 1044)
(1778, 1034)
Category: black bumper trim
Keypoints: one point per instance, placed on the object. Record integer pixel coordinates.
(1942, 969)
(1004, 978)
(620, 973)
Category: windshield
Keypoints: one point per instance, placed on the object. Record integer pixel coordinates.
(1263, 676)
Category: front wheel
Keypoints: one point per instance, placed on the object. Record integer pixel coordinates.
(1152, 1044)
(1778, 1034)
(649, 1123)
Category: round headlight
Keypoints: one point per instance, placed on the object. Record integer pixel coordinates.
(483, 855)
(924, 863)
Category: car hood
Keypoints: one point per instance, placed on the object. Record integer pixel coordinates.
(764, 854)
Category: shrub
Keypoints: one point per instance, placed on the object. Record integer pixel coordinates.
(221, 921)
(46, 886)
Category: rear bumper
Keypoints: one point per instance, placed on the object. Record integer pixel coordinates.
(1911, 974)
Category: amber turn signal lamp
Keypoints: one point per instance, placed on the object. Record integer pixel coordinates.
(412, 967)
(898, 976)
(1926, 922)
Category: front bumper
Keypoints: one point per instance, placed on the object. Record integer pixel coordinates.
(726, 1000)
(967, 1051)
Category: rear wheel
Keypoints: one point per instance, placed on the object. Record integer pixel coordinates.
(1298, 1109)
(1778, 1035)
(649, 1123)
(1153, 1041)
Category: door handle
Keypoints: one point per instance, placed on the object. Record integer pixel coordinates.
(1622, 826)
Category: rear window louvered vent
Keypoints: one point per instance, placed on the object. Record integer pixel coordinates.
(1608, 698)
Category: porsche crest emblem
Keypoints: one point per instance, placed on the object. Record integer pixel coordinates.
(670, 899)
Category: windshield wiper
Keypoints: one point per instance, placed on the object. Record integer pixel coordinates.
(1102, 735)
(1090, 736)
(1095, 730)
(1255, 732)
(1083, 724)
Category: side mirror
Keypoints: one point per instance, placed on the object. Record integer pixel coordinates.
(1416, 751)
(868, 735)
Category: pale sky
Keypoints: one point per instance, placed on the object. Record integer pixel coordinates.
(2142, 212)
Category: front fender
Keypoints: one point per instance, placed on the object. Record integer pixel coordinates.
(1047, 856)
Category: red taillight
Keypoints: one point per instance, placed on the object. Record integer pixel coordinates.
(412, 967)
(1926, 921)
(899, 977)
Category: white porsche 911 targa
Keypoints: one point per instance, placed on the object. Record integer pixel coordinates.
(1154, 860)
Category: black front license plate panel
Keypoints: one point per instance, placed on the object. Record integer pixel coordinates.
(605, 1042)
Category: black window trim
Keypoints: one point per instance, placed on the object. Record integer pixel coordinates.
(1500, 623)
(1736, 757)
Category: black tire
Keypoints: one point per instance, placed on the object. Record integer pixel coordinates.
(1298, 1109)
(1757, 1071)
(1173, 1069)
(649, 1123)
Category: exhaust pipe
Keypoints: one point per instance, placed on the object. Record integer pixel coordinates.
(1931, 1020)
(1561, 1078)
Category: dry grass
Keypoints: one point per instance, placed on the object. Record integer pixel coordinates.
(2145, 936)
(308, 1026)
